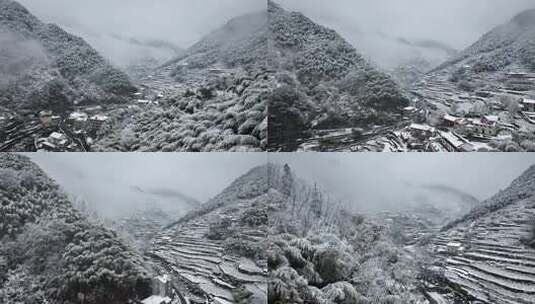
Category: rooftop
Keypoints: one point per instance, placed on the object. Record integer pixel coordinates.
(420, 127)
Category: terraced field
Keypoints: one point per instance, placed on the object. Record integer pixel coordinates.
(204, 272)
(494, 266)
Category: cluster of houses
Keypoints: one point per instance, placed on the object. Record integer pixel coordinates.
(78, 123)
(55, 142)
(451, 131)
(90, 118)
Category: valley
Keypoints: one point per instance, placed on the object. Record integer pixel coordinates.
(448, 248)
(69, 98)
(480, 99)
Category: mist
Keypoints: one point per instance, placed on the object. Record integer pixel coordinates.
(114, 27)
(117, 183)
(374, 26)
(18, 55)
(377, 182)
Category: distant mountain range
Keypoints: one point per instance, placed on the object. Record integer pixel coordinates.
(241, 41)
(521, 188)
(509, 45)
(44, 67)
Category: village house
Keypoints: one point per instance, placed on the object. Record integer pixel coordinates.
(47, 118)
(97, 120)
(450, 121)
(58, 139)
(78, 119)
(484, 129)
(421, 131)
(485, 126)
(455, 144)
(528, 105)
(53, 143)
(490, 119)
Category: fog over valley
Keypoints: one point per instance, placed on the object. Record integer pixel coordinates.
(125, 31)
(374, 183)
(117, 184)
(386, 30)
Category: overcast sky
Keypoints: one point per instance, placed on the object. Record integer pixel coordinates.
(105, 179)
(181, 22)
(374, 180)
(457, 23)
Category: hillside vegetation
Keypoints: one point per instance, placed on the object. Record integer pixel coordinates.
(44, 67)
(323, 81)
(319, 253)
(510, 44)
(49, 253)
(216, 100)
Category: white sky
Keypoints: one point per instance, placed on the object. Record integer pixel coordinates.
(181, 22)
(458, 23)
(105, 178)
(369, 180)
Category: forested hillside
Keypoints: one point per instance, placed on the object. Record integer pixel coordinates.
(320, 253)
(220, 247)
(323, 82)
(49, 253)
(215, 97)
(510, 44)
(44, 67)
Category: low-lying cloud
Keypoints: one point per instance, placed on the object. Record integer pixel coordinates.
(178, 22)
(376, 181)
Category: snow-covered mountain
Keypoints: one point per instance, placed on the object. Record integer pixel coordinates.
(50, 253)
(44, 67)
(511, 45)
(324, 82)
(213, 97)
(241, 41)
(220, 247)
(486, 253)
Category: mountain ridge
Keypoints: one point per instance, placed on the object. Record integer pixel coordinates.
(324, 83)
(73, 73)
(509, 44)
(51, 253)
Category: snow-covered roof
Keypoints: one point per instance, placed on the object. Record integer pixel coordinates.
(452, 139)
(45, 113)
(420, 127)
(78, 116)
(492, 118)
(528, 101)
(99, 117)
(56, 135)
(451, 118)
(454, 244)
(49, 145)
